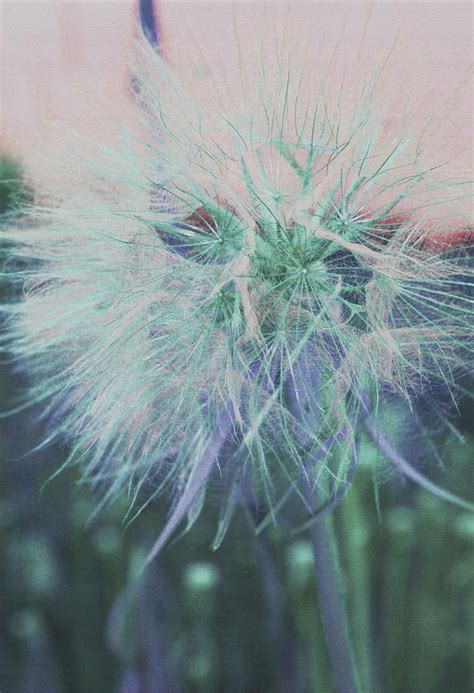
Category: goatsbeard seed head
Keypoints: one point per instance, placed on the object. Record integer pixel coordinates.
(228, 295)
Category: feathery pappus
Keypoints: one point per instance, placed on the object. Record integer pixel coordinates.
(238, 294)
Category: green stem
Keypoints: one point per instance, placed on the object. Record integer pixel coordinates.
(357, 544)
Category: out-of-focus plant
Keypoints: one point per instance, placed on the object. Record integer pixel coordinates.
(13, 190)
(239, 304)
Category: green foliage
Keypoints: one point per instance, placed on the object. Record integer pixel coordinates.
(408, 583)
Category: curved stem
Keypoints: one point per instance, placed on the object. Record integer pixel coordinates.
(333, 613)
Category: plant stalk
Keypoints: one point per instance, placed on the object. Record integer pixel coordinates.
(333, 613)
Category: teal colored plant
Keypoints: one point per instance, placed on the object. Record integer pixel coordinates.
(228, 306)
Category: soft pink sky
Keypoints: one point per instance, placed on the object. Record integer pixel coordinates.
(61, 61)
(65, 62)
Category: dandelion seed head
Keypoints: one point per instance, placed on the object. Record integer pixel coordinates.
(222, 296)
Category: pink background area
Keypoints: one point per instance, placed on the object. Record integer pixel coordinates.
(66, 62)
(61, 62)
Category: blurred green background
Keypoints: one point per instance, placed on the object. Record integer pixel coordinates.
(74, 619)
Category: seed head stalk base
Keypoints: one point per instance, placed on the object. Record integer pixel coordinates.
(333, 612)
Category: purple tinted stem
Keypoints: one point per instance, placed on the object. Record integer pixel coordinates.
(303, 395)
(148, 21)
(284, 655)
(336, 630)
